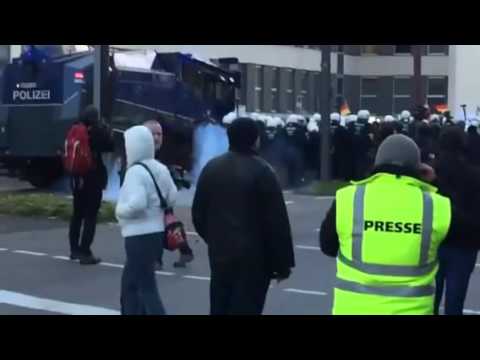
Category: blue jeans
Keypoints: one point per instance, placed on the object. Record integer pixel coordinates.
(456, 267)
(139, 294)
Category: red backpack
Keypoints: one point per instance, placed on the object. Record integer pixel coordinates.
(77, 159)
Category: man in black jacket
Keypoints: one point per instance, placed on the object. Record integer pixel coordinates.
(239, 211)
(460, 181)
(88, 190)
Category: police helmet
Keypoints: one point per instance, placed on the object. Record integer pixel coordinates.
(292, 119)
(229, 118)
(312, 126)
(363, 114)
(351, 119)
(335, 117)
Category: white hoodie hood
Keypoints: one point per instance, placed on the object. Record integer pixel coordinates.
(138, 209)
(139, 145)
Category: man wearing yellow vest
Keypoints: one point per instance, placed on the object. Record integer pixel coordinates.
(385, 232)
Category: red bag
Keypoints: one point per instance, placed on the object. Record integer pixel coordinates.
(175, 235)
(77, 159)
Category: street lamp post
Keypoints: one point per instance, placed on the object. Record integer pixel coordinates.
(100, 76)
(325, 105)
(417, 75)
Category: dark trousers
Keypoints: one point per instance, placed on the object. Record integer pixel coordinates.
(456, 267)
(86, 205)
(139, 294)
(238, 292)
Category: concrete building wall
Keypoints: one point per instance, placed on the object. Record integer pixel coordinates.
(464, 79)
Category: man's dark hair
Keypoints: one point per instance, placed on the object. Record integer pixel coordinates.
(90, 116)
(242, 134)
(453, 140)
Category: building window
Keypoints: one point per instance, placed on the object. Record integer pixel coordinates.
(290, 98)
(437, 49)
(275, 89)
(402, 92)
(303, 96)
(369, 87)
(437, 86)
(437, 91)
(370, 49)
(258, 88)
(368, 93)
(403, 49)
(402, 86)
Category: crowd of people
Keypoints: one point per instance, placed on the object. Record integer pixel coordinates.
(292, 145)
(407, 220)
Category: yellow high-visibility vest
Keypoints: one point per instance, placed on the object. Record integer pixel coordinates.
(390, 228)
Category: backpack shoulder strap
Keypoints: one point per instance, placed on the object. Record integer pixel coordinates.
(163, 202)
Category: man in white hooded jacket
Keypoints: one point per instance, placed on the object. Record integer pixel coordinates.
(141, 221)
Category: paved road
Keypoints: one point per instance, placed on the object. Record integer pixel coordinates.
(37, 278)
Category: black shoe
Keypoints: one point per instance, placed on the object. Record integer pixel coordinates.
(183, 261)
(75, 255)
(89, 260)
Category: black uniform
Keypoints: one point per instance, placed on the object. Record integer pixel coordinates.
(295, 152)
(363, 154)
(342, 153)
(313, 152)
(273, 151)
(473, 146)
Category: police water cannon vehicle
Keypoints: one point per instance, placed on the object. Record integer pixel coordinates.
(44, 91)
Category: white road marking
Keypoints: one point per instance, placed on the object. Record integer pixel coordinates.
(37, 303)
(325, 197)
(61, 257)
(465, 311)
(471, 312)
(112, 265)
(317, 230)
(477, 265)
(304, 247)
(289, 202)
(164, 273)
(3, 249)
(196, 277)
(29, 253)
(306, 292)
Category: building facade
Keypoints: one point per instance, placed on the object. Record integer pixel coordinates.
(286, 78)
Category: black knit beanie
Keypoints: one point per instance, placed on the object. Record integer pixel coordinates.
(90, 116)
(242, 134)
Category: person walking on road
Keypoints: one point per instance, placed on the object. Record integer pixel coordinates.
(240, 212)
(88, 190)
(458, 179)
(385, 231)
(186, 252)
(141, 221)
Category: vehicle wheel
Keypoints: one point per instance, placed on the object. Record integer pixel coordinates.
(43, 175)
